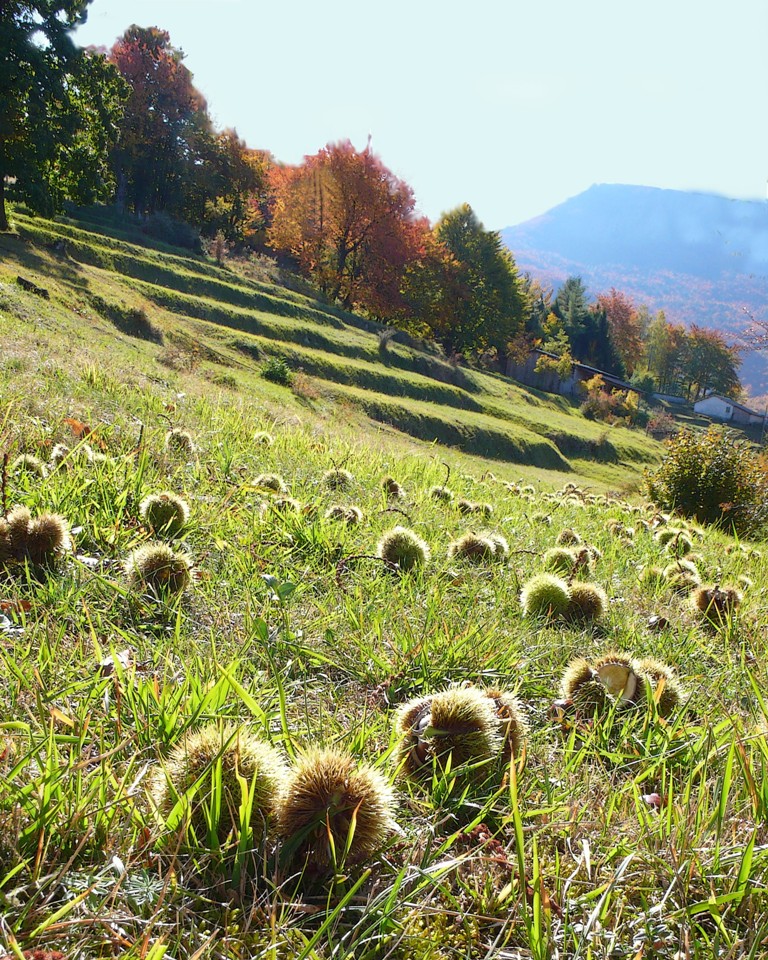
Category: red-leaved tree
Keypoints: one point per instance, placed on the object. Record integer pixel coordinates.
(165, 123)
(349, 223)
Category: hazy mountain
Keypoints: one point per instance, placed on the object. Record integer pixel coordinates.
(699, 257)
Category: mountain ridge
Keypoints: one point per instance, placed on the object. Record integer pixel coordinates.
(700, 257)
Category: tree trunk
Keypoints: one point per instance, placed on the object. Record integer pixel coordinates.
(3, 215)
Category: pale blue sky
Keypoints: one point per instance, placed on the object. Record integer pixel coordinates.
(510, 106)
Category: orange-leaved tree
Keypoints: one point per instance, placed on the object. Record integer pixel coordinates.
(624, 327)
(349, 223)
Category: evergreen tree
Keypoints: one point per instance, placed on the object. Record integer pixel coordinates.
(596, 346)
(571, 307)
(587, 327)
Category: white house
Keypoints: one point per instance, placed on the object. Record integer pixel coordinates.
(724, 408)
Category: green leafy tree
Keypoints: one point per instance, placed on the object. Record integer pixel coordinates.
(666, 346)
(539, 302)
(490, 306)
(232, 189)
(87, 127)
(711, 364)
(59, 107)
(431, 287)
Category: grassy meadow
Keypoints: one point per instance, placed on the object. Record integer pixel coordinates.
(633, 832)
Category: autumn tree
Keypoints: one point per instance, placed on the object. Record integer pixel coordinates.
(58, 107)
(664, 352)
(228, 192)
(711, 364)
(431, 288)
(490, 304)
(624, 327)
(166, 124)
(349, 223)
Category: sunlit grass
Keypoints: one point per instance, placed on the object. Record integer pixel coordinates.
(634, 836)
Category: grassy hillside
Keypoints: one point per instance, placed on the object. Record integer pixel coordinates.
(216, 327)
(632, 827)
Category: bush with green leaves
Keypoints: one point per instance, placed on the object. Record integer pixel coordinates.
(276, 370)
(716, 477)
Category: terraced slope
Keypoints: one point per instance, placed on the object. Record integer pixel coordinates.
(224, 325)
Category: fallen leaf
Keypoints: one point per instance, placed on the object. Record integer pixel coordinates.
(15, 606)
(57, 714)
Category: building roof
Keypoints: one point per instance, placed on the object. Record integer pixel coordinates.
(608, 377)
(729, 402)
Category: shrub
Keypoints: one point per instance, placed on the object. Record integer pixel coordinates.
(610, 406)
(276, 370)
(161, 226)
(661, 426)
(714, 477)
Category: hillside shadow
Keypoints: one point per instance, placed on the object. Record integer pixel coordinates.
(21, 250)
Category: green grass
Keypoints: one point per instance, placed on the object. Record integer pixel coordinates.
(145, 292)
(634, 836)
